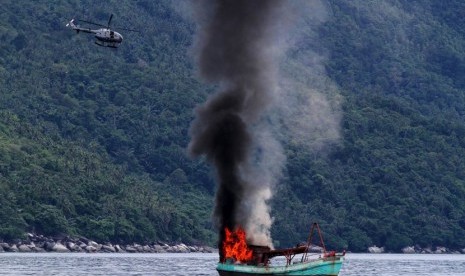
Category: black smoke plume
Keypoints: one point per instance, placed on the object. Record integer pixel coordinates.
(234, 50)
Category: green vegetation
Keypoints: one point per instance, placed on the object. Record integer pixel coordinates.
(93, 140)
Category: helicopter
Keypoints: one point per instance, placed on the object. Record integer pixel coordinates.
(105, 36)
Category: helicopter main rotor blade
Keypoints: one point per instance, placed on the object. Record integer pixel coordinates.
(109, 20)
(93, 23)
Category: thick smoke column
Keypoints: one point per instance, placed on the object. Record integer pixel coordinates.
(234, 44)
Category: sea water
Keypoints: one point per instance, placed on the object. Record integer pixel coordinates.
(204, 264)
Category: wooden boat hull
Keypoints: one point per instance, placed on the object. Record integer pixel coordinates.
(320, 267)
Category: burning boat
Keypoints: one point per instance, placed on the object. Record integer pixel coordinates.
(237, 51)
(241, 259)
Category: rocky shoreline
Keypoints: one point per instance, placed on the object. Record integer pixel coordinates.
(418, 250)
(39, 243)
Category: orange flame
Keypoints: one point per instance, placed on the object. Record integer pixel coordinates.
(235, 246)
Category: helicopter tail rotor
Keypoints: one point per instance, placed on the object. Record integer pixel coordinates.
(70, 23)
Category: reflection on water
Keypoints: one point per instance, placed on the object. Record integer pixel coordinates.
(204, 264)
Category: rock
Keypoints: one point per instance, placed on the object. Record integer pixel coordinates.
(376, 250)
(165, 246)
(135, 246)
(131, 249)
(440, 250)
(208, 249)
(427, 251)
(118, 248)
(181, 248)
(5, 246)
(38, 239)
(408, 250)
(38, 249)
(83, 240)
(36, 243)
(74, 247)
(94, 244)
(24, 248)
(32, 245)
(40, 244)
(159, 249)
(48, 246)
(90, 249)
(108, 249)
(70, 245)
(73, 240)
(60, 248)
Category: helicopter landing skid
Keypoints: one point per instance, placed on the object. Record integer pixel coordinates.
(107, 44)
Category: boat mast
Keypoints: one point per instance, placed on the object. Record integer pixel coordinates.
(310, 237)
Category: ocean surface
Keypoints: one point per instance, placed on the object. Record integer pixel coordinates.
(204, 264)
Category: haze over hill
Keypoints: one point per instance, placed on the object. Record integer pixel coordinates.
(93, 141)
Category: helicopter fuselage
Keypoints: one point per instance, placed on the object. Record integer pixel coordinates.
(107, 35)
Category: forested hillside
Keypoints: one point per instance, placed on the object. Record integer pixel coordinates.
(93, 140)
(397, 178)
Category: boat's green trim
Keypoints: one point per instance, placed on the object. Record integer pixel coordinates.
(326, 267)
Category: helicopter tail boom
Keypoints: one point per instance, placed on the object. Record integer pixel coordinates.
(77, 28)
